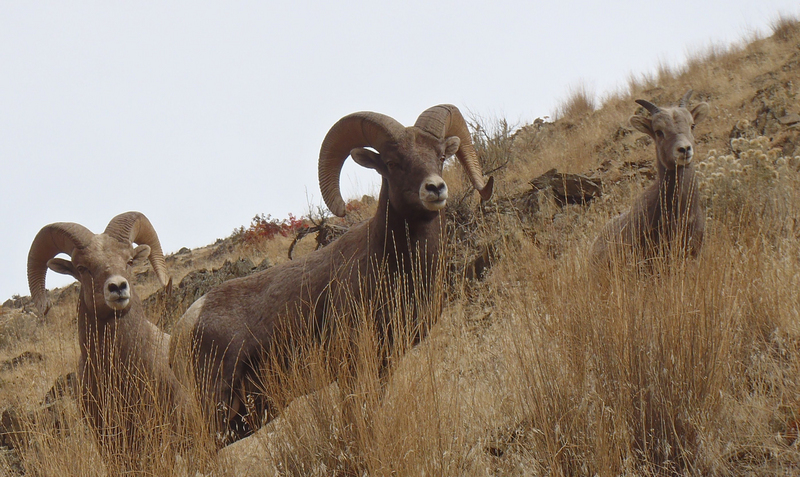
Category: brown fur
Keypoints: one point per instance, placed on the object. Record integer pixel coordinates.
(230, 330)
(126, 384)
(668, 213)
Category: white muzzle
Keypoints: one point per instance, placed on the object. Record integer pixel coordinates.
(433, 193)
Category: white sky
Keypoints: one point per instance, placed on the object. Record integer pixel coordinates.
(202, 115)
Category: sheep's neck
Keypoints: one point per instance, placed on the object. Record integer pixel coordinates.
(402, 237)
(671, 196)
(97, 334)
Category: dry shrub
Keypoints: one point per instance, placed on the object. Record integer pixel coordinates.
(785, 27)
(622, 377)
(493, 139)
(579, 102)
(664, 72)
(754, 185)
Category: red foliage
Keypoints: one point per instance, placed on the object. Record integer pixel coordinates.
(354, 206)
(263, 228)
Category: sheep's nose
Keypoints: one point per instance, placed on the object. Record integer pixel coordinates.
(117, 293)
(433, 193)
(119, 287)
(685, 150)
(437, 189)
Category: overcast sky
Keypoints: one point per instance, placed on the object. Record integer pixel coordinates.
(202, 115)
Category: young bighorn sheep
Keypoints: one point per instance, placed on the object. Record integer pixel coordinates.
(127, 387)
(235, 325)
(668, 213)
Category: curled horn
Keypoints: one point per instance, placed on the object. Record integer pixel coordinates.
(363, 129)
(134, 227)
(60, 237)
(446, 120)
(685, 100)
(648, 106)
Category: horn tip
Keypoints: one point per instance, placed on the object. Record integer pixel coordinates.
(339, 209)
(164, 279)
(43, 307)
(488, 189)
(686, 97)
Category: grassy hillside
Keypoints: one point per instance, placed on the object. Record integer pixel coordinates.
(539, 367)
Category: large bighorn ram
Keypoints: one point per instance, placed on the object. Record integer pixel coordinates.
(668, 214)
(127, 386)
(230, 329)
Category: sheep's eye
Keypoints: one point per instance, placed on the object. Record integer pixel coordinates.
(692, 127)
(82, 269)
(130, 262)
(443, 157)
(660, 134)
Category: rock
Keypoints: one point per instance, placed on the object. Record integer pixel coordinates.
(621, 132)
(744, 129)
(789, 119)
(568, 188)
(239, 268)
(643, 141)
(25, 357)
(564, 188)
(17, 301)
(12, 429)
(15, 424)
(144, 276)
(65, 385)
(10, 462)
(481, 264)
(224, 247)
(68, 294)
(772, 102)
(265, 264)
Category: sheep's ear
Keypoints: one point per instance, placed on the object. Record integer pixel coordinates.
(140, 254)
(64, 267)
(642, 124)
(700, 112)
(451, 145)
(368, 158)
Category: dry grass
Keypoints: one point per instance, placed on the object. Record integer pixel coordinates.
(579, 102)
(785, 27)
(546, 367)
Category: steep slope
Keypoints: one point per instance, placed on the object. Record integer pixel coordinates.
(536, 369)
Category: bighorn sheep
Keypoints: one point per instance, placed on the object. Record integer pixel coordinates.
(127, 386)
(668, 213)
(234, 325)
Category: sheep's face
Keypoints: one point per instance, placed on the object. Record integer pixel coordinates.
(412, 170)
(672, 130)
(103, 268)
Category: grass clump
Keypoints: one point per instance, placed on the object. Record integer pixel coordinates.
(580, 102)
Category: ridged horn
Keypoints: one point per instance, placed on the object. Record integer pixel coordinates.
(362, 129)
(445, 120)
(134, 227)
(648, 106)
(685, 100)
(60, 237)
